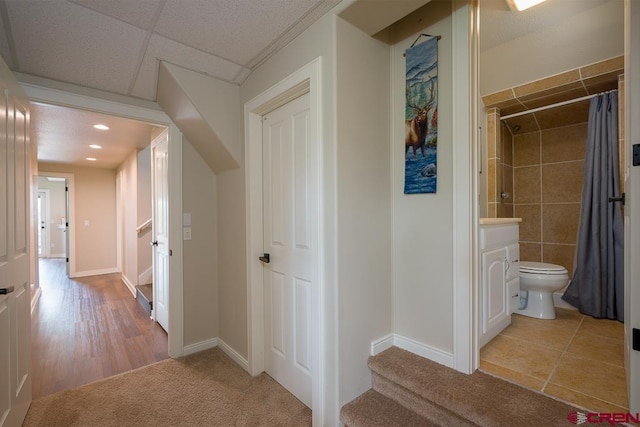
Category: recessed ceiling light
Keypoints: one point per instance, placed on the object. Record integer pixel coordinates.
(96, 146)
(521, 5)
(91, 159)
(101, 127)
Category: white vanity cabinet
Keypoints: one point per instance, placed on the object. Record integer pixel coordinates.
(500, 269)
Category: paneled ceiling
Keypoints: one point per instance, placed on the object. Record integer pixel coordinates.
(116, 46)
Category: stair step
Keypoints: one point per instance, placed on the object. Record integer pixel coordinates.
(144, 295)
(375, 410)
(424, 385)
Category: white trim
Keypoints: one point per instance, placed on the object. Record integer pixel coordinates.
(234, 355)
(464, 194)
(382, 344)
(46, 239)
(70, 244)
(96, 272)
(130, 286)
(200, 346)
(146, 276)
(147, 115)
(423, 350)
(35, 299)
(323, 307)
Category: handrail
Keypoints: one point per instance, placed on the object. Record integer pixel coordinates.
(144, 226)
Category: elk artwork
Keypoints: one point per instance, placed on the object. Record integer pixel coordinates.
(418, 127)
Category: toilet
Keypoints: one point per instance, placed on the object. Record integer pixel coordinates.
(538, 282)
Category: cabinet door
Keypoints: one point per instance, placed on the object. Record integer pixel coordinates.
(495, 305)
(513, 261)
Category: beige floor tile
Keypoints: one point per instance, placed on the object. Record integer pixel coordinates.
(579, 399)
(592, 378)
(598, 347)
(508, 374)
(604, 327)
(550, 333)
(522, 356)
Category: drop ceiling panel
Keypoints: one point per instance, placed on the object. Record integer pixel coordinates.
(232, 29)
(140, 13)
(161, 48)
(96, 50)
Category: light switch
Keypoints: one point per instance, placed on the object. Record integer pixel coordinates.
(186, 219)
(86, 222)
(186, 233)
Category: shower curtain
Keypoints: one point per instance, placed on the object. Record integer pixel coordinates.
(597, 286)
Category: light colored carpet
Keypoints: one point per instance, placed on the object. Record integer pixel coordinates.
(203, 389)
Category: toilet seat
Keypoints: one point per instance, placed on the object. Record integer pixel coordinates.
(542, 268)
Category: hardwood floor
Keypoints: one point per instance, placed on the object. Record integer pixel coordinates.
(87, 329)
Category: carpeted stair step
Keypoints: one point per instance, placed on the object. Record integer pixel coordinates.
(424, 386)
(375, 410)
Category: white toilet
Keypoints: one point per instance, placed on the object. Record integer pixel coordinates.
(538, 282)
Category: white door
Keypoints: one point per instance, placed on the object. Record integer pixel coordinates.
(15, 290)
(632, 208)
(160, 224)
(287, 240)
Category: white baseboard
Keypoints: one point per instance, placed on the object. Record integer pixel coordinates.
(131, 286)
(415, 347)
(146, 276)
(35, 299)
(234, 355)
(96, 272)
(199, 346)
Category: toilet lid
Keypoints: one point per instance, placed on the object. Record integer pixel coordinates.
(541, 268)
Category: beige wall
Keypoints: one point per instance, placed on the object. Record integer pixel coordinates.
(200, 272)
(423, 223)
(128, 172)
(57, 211)
(144, 209)
(95, 202)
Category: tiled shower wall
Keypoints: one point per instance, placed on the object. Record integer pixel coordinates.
(500, 167)
(548, 169)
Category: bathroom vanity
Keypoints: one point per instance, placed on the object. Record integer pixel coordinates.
(499, 269)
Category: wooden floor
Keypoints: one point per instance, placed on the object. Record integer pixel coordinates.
(87, 329)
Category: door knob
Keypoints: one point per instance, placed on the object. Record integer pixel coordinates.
(265, 258)
(154, 243)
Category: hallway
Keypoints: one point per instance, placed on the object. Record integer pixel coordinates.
(87, 329)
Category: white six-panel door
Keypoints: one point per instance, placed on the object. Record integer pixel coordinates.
(287, 239)
(15, 290)
(160, 224)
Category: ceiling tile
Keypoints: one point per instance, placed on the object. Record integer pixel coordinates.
(93, 50)
(161, 48)
(232, 29)
(140, 13)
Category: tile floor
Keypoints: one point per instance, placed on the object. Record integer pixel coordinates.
(575, 358)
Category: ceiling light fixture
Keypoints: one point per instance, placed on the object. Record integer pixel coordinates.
(101, 127)
(521, 5)
(91, 159)
(96, 146)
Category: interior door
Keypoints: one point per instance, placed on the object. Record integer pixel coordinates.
(287, 224)
(160, 225)
(632, 207)
(43, 225)
(15, 289)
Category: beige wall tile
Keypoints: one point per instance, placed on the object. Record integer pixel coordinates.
(560, 222)
(526, 149)
(492, 180)
(603, 67)
(530, 227)
(555, 96)
(564, 144)
(562, 182)
(507, 144)
(493, 99)
(530, 251)
(566, 88)
(507, 183)
(547, 83)
(526, 185)
(560, 255)
(492, 210)
(563, 116)
(505, 210)
(522, 124)
(492, 136)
